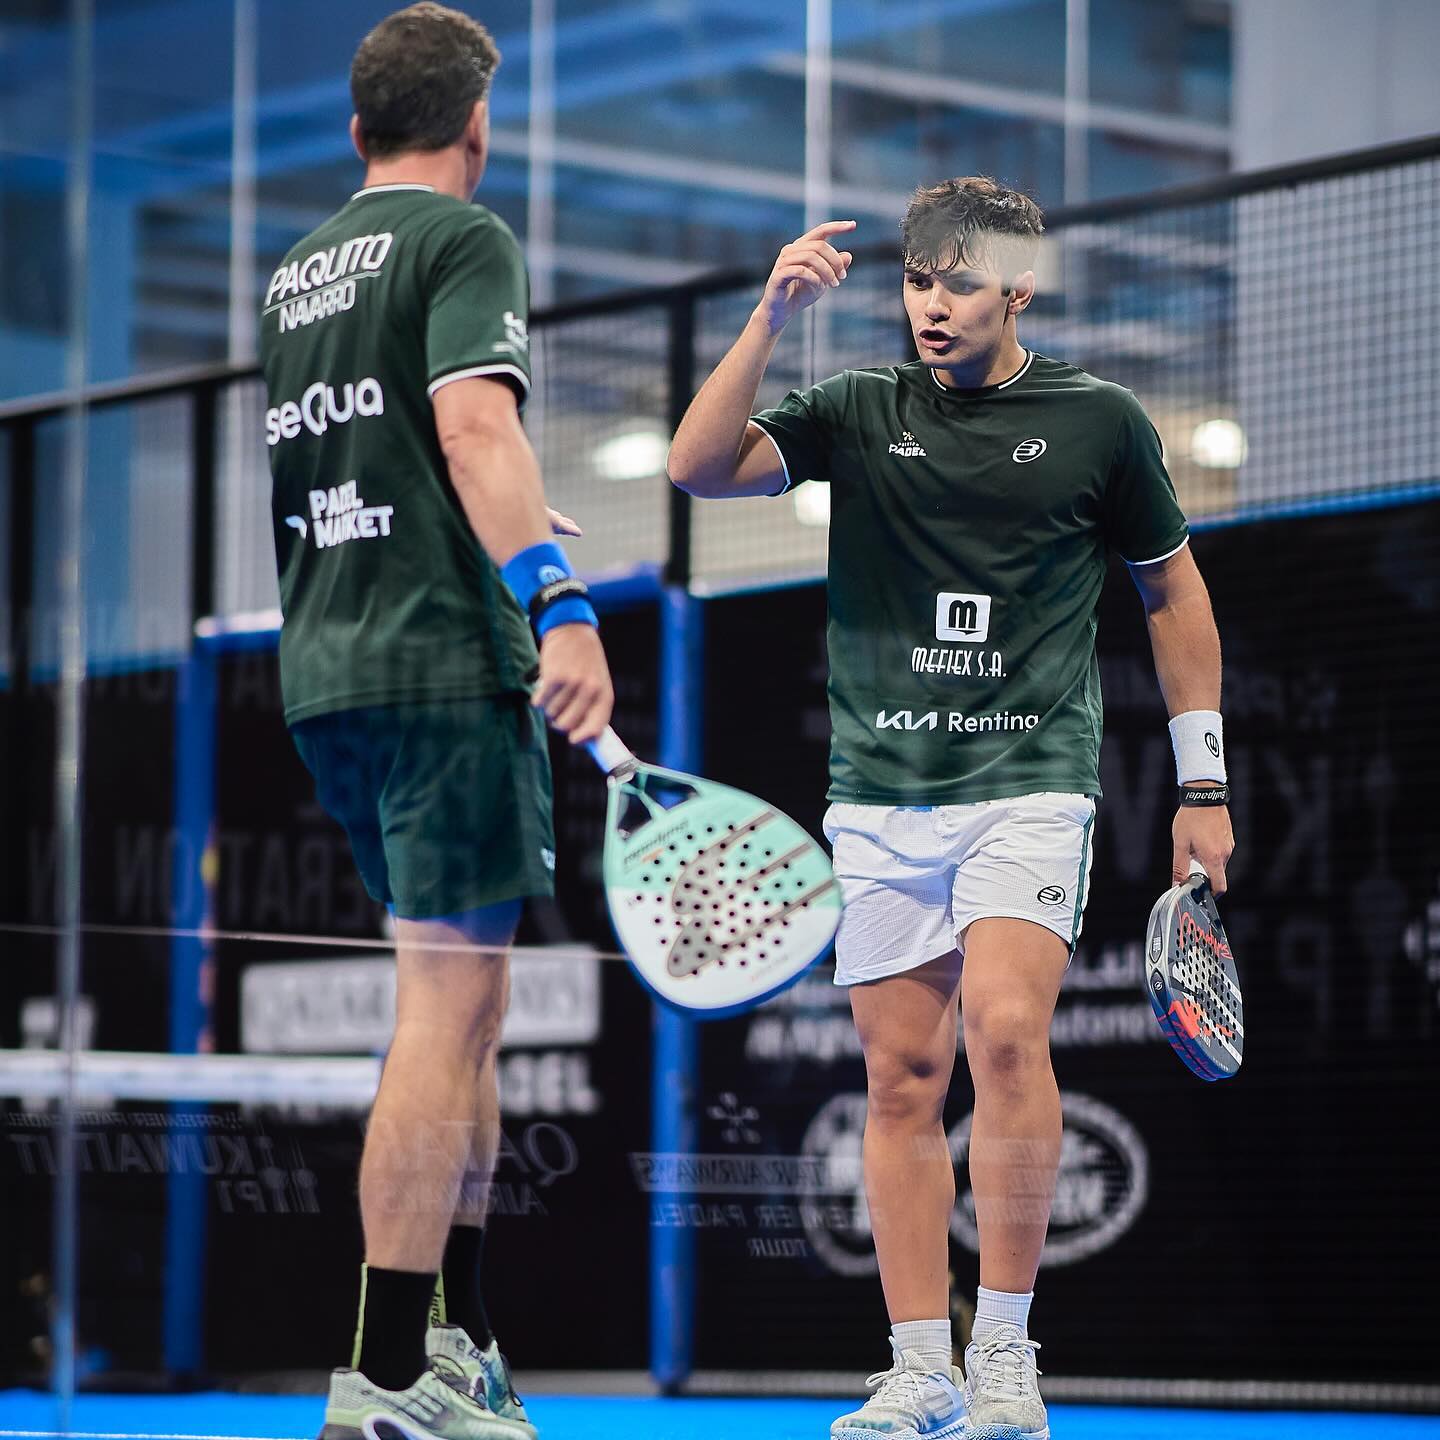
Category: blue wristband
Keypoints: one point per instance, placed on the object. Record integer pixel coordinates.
(537, 567)
(534, 567)
(568, 610)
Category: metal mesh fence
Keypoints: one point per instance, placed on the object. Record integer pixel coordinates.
(244, 550)
(1280, 330)
(1284, 343)
(598, 419)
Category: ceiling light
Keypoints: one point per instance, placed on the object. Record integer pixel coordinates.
(1218, 445)
(632, 455)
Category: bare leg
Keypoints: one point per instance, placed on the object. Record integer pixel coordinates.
(474, 1203)
(907, 1031)
(1012, 976)
(429, 1126)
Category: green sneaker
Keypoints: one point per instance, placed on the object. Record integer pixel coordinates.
(433, 1408)
(485, 1372)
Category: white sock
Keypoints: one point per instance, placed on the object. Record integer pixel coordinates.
(1001, 1307)
(929, 1339)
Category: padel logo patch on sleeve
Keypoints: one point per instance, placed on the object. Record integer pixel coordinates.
(961, 617)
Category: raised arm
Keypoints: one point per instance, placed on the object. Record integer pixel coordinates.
(1186, 647)
(717, 453)
(497, 478)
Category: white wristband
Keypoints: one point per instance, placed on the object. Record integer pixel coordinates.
(1199, 740)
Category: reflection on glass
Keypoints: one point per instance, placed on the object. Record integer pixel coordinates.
(1017, 44)
(1171, 59)
(678, 139)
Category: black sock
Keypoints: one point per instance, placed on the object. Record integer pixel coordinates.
(464, 1305)
(394, 1310)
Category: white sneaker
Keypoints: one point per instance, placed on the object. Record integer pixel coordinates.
(909, 1401)
(1002, 1395)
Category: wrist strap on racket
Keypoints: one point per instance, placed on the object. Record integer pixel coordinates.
(1193, 796)
(1198, 737)
(547, 588)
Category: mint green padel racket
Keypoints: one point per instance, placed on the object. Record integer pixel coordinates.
(719, 900)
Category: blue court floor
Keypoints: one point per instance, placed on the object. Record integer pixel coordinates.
(573, 1417)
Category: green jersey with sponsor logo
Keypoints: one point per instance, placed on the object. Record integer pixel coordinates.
(968, 539)
(386, 593)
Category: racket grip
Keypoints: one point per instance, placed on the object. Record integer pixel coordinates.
(609, 752)
(1196, 868)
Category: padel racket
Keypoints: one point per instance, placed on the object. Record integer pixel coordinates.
(719, 900)
(1190, 978)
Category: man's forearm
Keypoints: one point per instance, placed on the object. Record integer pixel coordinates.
(1186, 647)
(706, 448)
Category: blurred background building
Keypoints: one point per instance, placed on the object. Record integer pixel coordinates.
(636, 142)
(158, 156)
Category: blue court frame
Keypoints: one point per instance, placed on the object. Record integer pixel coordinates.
(675, 1081)
(675, 1071)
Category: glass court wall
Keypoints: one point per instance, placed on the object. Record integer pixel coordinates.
(636, 143)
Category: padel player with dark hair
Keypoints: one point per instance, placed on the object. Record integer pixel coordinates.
(975, 494)
(414, 551)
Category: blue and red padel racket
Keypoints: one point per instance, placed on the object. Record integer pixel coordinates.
(1191, 980)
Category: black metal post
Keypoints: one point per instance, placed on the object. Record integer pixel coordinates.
(22, 550)
(203, 450)
(14, 811)
(680, 384)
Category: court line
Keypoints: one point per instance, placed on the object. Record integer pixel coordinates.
(114, 1435)
(331, 942)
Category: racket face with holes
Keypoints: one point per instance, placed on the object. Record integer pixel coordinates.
(719, 899)
(1191, 980)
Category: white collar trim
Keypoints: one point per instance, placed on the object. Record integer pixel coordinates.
(383, 189)
(1003, 385)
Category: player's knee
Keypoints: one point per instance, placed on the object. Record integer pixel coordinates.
(1006, 1041)
(465, 1033)
(906, 1088)
(484, 1018)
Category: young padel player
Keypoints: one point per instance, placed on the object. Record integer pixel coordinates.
(975, 494)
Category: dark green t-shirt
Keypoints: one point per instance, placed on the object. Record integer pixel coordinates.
(386, 593)
(968, 540)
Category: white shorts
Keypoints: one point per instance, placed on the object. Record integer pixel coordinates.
(913, 877)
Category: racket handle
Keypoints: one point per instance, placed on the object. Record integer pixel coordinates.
(1196, 868)
(610, 752)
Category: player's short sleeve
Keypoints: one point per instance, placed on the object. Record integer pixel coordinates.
(802, 428)
(478, 307)
(1143, 519)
